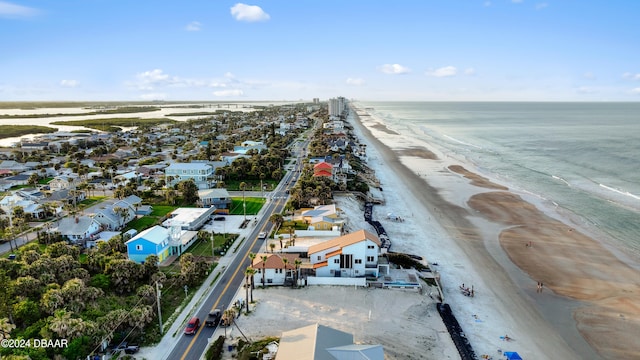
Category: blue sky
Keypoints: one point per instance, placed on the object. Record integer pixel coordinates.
(453, 50)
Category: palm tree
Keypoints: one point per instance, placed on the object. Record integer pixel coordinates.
(252, 272)
(243, 185)
(277, 220)
(297, 264)
(285, 261)
(247, 275)
(252, 256)
(280, 237)
(273, 246)
(293, 239)
(264, 264)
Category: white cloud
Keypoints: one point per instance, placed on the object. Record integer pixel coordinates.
(631, 76)
(194, 26)
(8, 9)
(156, 78)
(228, 93)
(636, 91)
(540, 6)
(249, 13)
(469, 71)
(355, 81)
(69, 83)
(153, 96)
(586, 90)
(443, 71)
(394, 69)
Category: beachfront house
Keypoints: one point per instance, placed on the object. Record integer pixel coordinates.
(351, 255)
(323, 169)
(323, 217)
(319, 342)
(153, 241)
(276, 272)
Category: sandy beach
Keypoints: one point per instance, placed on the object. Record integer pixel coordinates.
(480, 233)
(587, 293)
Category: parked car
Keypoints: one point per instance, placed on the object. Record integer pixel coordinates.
(214, 318)
(126, 347)
(219, 218)
(192, 326)
(262, 235)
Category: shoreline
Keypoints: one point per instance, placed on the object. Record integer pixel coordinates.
(593, 322)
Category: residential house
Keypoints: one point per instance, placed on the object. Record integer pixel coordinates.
(13, 166)
(201, 173)
(79, 229)
(275, 270)
(17, 180)
(62, 182)
(323, 169)
(218, 198)
(115, 216)
(24, 200)
(189, 218)
(323, 217)
(153, 241)
(319, 342)
(246, 146)
(351, 255)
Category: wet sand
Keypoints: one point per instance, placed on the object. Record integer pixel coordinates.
(606, 311)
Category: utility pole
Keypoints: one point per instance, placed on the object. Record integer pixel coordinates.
(158, 301)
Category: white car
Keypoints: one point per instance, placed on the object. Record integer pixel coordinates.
(262, 235)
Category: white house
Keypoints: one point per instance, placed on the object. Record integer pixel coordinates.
(189, 218)
(351, 255)
(79, 229)
(63, 182)
(275, 270)
(115, 216)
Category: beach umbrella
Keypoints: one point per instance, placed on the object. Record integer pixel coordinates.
(512, 355)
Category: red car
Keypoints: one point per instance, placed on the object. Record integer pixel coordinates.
(192, 326)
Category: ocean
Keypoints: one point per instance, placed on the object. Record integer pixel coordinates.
(580, 159)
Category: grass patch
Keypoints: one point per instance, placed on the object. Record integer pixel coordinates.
(92, 200)
(253, 205)
(162, 210)
(142, 223)
(114, 124)
(7, 131)
(298, 225)
(45, 181)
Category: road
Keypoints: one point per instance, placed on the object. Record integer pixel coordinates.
(193, 346)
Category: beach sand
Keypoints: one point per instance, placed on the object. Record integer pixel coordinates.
(588, 295)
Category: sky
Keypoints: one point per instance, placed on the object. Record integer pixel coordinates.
(422, 50)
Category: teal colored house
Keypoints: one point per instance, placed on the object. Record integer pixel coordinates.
(153, 241)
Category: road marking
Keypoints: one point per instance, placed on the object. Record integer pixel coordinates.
(195, 337)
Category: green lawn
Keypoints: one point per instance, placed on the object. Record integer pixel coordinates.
(142, 223)
(162, 210)
(253, 206)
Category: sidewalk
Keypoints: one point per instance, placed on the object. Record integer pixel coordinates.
(162, 350)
